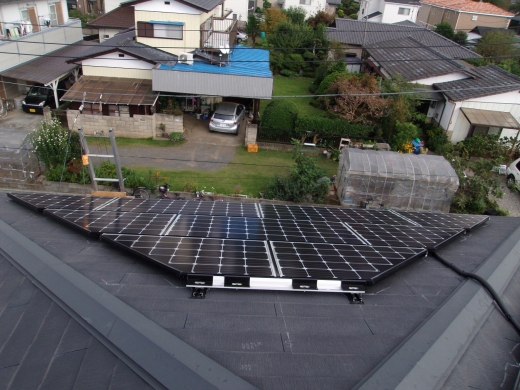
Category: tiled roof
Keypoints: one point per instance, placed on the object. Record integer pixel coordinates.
(373, 15)
(486, 81)
(411, 59)
(206, 5)
(479, 7)
(356, 32)
(408, 23)
(409, 2)
(125, 43)
(121, 17)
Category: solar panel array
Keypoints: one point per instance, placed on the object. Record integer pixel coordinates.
(253, 245)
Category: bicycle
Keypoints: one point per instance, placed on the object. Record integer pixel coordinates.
(5, 106)
(163, 190)
(136, 192)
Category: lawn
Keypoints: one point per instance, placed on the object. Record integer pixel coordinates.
(284, 86)
(248, 173)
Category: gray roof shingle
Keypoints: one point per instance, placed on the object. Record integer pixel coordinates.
(485, 81)
(361, 33)
(206, 5)
(411, 59)
(121, 17)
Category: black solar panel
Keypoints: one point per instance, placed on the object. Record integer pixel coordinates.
(406, 236)
(262, 229)
(98, 222)
(342, 262)
(186, 255)
(464, 221)
(39, 202)
(168, 206)
(310, 213)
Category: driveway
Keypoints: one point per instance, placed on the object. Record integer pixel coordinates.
(202, 150)
(15, 127)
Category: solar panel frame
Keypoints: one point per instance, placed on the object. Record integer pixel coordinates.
(465, 221)
(39, 202)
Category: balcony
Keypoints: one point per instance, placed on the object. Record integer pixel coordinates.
(218, 33)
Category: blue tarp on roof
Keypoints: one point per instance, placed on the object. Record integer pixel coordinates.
(244, 61)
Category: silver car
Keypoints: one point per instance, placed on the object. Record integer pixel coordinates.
(227, 118)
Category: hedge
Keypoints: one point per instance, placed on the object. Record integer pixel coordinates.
(332, 127)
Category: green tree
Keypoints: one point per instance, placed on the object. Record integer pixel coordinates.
(280, 114)
(291, 37)
(253, 27)
(496, 46)
(295, 15)
(461, 37)
(445, 30)
(404, 134)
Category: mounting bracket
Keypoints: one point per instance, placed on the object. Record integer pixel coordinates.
(355, 299)
(198, 292)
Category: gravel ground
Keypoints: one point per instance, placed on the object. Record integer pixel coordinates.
(510, 201)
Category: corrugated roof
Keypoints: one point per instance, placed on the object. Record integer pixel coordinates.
(121, 17)
(490, 118)
(407, 23)
(244, 61)
(111, 90)
(470, 6)
(356, 32)
(411, 59)
(486, 80)
(48, 67)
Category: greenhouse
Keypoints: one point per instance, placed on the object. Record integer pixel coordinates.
(374, 179)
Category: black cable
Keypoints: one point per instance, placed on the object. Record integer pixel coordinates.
(500, 303)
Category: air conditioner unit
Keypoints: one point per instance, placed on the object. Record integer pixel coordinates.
(186, 58)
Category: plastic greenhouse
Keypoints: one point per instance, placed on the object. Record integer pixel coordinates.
(396, 181)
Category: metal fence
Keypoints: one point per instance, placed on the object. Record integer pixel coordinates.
(19, 164)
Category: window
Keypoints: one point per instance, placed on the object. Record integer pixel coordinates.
(25, 14)
(305, 2)
(474, 17)
(106, 36)
(172, 30)
(403, 11)
(121, 55)
(53, 15)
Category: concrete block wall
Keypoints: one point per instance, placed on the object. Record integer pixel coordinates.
(251, 132)
(139, 126)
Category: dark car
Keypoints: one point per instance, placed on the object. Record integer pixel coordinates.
(40, 96)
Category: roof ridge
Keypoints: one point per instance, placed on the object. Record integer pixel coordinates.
(446, 58)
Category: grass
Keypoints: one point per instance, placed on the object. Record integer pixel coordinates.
(248, 172)
(134, 142)
(284, 86)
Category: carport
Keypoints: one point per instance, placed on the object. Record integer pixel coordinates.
(48, 70)
(245, 75)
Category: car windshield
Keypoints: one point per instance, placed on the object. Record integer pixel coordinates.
(223, 117)
(38, 91)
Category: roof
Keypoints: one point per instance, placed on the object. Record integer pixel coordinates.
(373, 15)
(206, 5)
(48, 67)
(481, 30)
(354, 32)
(287, 339)
(485, 81)
(124, 42)
(243, 61)
(334, 2)
(411, 59)
(121, 17)
(490, 118)
(470, 6)
(407, 23)
(113, 91)
(409, 2)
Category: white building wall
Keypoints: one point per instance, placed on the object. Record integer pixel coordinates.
(103, 32)
(11, 12)
(239, 8)
(112, 60)
(367, 7)
(311, 8)
(391, 13)
(441, 79)
(111, 5)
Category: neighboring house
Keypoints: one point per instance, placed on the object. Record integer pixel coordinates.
(311, 7)
(29, 31)
(478, 32)
(486, 102)
(115, 21)
(238, 9)
(463, 15)
(388, 11)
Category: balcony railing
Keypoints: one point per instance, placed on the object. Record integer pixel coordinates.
(218, 33)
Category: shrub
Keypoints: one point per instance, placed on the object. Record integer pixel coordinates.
(294, 62)
(331, 78)
(288, 73)
(310, 74)
(280, 114)
(437, 140)
(353, 16)
(177, 137)
(50, 144)
(332, 127)
(341, 13)
(108, 170)
(404, 134)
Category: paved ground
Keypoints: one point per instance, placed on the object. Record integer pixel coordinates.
(15, 127)
(203, 150)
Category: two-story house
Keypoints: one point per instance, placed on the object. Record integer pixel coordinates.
(29, 33)
(388, 11)
(463, 15)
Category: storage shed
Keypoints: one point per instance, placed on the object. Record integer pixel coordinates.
(396, 181)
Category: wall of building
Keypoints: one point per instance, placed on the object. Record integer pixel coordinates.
(139, 126)
(466, 22)
(39, 43)
(117, 72)
(239, 8)
(11, 11)
(111, 65)
(311, 9)
(391, 13)
(107, 33)
(367, 7)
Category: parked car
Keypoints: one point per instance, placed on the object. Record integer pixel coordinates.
(227, 118)
(513, 172)
(241, 36)
(40, 96)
